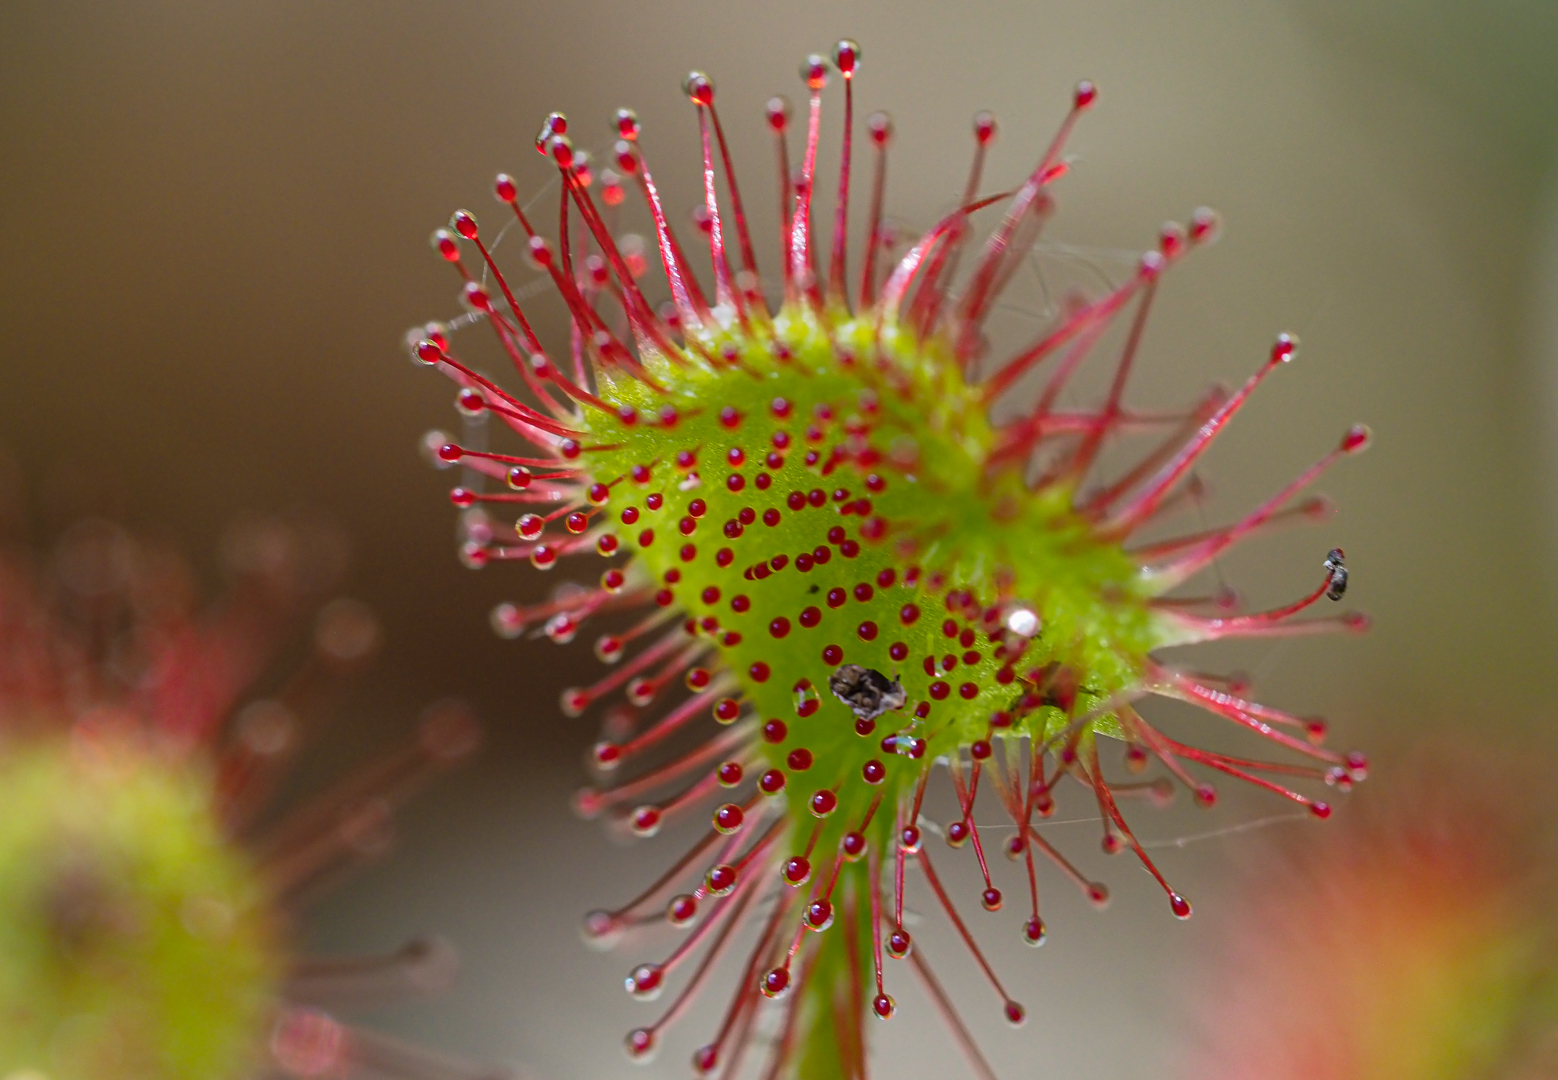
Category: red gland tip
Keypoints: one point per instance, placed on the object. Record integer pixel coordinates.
(1180, 906)
(1357, 439)
(721, 880)
(778, 112)
(504, 188)
(1284, 348)
(464, 223)
(796, 871)
(627, 161)
(428, 352)
(625, 123)
(1204, 225)
(1016, 1015)
(884, 1006)
(699, 87)
(728, 818)
(560, 147)
(554, 124)
(846, 55)
(645, 982)
(640, 1045)
(444, 244)
(814, 72)
(645, 821)
(1356, 622)
(880, 127)
(601, 929)
(984, 127)
(1085, 94)
(775, 983)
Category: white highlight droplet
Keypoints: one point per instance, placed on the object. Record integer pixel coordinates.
(1023, 622)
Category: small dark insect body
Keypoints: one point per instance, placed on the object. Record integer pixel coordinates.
(1338, 571)
(866, 691)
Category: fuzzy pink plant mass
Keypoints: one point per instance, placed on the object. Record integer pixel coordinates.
(149, 887)
(1416, 942)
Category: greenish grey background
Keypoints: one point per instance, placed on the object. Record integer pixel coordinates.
(214, 218)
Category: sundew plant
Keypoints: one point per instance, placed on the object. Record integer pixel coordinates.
(150, 890)
(820, 511)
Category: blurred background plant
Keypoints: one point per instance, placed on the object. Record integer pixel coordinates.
(216, 217)
(150, 879)
(1414, 942)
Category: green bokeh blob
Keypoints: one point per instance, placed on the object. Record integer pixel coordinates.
(134, 941)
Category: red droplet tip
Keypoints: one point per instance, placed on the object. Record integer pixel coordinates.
(1357, 438)
(639, 1044)
(880, 127)
(814, 72)
(846, 55)
(1204, 225)
(778, 112)
(776, 982)
(646, 981)
(699, 87)
(984, 127)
